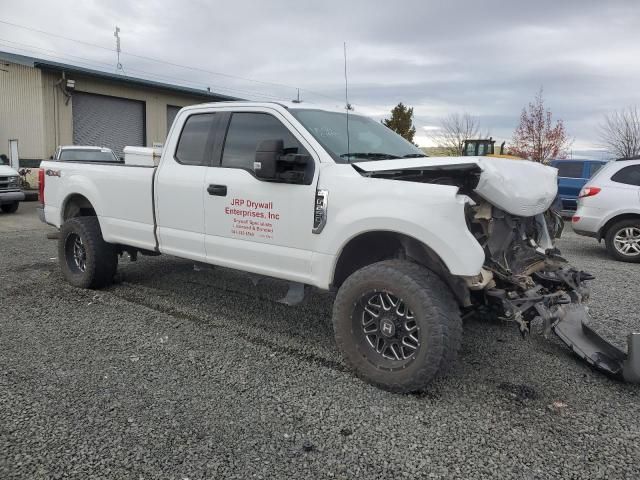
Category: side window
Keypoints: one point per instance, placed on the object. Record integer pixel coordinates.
(194, 145)
(628, 175)
(594, 167)
(471, 149)
(246, 131)
(570, 169)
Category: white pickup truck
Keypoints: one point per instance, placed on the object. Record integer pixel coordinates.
(341, 203)
(10, 193)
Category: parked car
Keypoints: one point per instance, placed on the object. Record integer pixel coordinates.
(609, 209)
(10, 193)
(572, 176)
(290, 192)
(84, 153)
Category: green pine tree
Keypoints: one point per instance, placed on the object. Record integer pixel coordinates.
(401, 121)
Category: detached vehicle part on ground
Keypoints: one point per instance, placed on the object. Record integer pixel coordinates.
(311, 197)
(10, 193)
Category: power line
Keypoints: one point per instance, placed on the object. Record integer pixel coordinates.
(152, 76)
(165, 62)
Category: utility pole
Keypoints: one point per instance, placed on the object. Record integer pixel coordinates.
(116, 34)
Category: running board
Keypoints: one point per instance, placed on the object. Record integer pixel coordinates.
(573, 329)
(295, 294)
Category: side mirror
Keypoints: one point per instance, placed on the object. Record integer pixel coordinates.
(273, 162)
(268, 153)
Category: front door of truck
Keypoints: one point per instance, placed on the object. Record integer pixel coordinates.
(252, 224)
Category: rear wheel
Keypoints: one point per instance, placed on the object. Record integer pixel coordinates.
(623, 240)
(86, 260)
(10, 207)
(397, 325)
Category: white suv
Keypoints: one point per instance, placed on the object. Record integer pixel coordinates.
(609, 208)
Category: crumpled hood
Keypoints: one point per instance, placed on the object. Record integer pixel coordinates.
(519, 187)
(6, 171)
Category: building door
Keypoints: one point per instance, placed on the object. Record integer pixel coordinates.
(14, 159)
(105, 121)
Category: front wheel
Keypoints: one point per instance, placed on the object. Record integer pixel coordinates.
(10, 207)
(86, 260)
(397, 325)
(623, 240)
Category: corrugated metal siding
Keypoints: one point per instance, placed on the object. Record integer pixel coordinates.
(21, 110)
(107, 121)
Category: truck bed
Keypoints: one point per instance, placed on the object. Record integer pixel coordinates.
(121, 194)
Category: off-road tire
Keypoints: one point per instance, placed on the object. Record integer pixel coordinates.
(609, 240)
(436, 313)
(10, 207)
(101, 257)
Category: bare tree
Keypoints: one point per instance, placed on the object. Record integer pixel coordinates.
(454, 130)
(620, 133)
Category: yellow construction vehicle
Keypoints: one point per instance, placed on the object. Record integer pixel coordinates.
(484, 148)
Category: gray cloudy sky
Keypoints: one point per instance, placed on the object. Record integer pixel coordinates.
(487, 58)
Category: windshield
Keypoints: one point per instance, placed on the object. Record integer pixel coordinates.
(368, 139)
(78, 155)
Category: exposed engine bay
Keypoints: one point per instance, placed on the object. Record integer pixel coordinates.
(525, 280)
(530, 280)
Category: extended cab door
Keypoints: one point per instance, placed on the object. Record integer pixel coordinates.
(253, 224)
(179, 185)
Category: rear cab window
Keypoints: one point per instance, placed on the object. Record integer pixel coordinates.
(195, 145)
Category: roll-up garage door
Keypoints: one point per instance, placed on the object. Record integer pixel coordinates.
(108, 121)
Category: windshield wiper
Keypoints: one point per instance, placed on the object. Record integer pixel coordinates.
(370, 155)
(415, 155)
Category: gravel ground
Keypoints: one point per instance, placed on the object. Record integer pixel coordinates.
(176, 373)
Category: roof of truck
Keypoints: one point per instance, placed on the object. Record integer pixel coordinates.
(287, 105)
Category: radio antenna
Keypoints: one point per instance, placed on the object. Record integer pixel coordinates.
(346, 96)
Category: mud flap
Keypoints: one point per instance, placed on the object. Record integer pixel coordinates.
(573, 329)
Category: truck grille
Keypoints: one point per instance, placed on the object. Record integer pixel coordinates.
(5, 186)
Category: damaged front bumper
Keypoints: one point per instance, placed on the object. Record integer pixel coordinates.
(532, 283)
(574, 329)
(562, 311)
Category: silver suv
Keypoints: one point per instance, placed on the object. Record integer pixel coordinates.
(609, 208)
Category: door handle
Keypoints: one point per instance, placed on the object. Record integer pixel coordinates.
(219, 190)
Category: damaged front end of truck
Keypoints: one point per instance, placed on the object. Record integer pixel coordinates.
(531, 283)
(524, 280)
